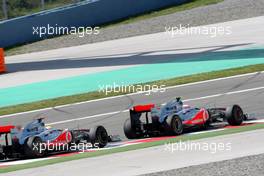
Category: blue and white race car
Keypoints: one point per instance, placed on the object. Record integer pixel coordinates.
(174, 117)
(26, 142)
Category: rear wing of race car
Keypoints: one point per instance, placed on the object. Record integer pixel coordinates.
(136, 112)
(143, 108)
(5, 147)
(5, 130)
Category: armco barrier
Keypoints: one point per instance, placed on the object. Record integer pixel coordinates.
(89, 13)
(2, 61)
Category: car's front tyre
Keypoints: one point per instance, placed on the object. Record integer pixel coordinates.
(234, 115)
(98, 136)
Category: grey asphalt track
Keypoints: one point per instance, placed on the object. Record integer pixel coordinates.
(247, 91)
(227, 10)
(246, 166)
(157, 159)
(109, 112)
(129, 52)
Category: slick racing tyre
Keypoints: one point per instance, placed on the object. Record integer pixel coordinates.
(234, 115)
(98, 136)
(130, 133)
(33, 147)
(2, 156)
(173, 125)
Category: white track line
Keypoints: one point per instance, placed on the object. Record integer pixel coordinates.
(88, 117)
(12, 163)
(228, 93)
(137, 93)
(193, 99)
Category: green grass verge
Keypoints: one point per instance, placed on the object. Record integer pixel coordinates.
(132, 147)
(97, 95)
(165, 11)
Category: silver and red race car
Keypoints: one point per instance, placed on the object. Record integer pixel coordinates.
(35, 139)
(174, 117)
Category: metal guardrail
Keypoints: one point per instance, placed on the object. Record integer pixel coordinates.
(90, 13)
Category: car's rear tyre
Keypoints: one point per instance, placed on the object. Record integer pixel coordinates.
(98, 136)
(234, 115)
(130, 133)
(173, 125)
(2, 157)
(34, 147)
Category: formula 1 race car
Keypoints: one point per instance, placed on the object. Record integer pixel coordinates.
(174, 117)
(34, 139)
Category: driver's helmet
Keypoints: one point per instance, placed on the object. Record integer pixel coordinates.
(175, 105)
(179, 104)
